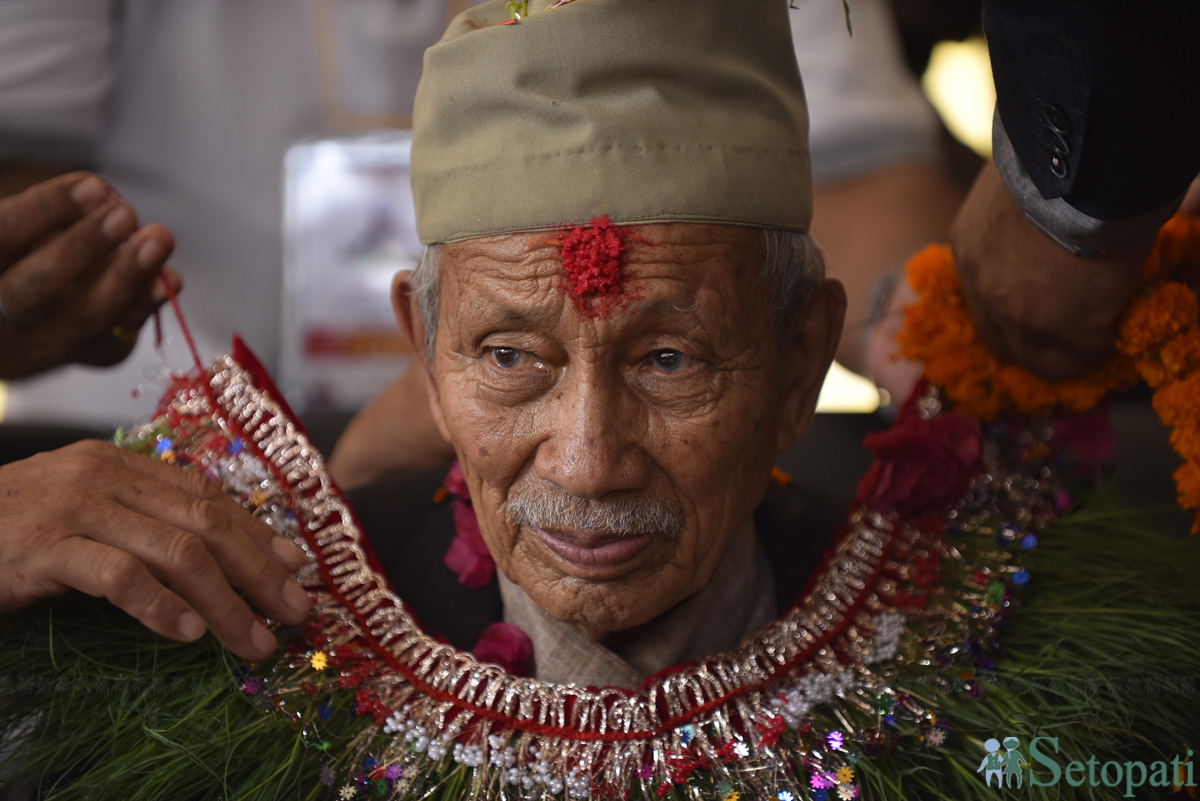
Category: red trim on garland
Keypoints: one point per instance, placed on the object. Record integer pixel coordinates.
(523, 725)
(465, 707)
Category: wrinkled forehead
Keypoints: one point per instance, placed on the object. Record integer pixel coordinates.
(604, 261)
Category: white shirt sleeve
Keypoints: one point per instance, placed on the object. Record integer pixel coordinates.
(55, 73)
(865, 108)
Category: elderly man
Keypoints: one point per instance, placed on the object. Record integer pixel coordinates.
(619, 349)
(622, 322)
(659, 376)
(617, 425)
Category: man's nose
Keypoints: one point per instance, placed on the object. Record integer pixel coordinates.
(592, 447)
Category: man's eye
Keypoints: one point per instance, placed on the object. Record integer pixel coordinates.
(506, 357)
(667, 360)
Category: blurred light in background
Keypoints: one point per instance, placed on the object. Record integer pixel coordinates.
(846, 392)
(958, 82)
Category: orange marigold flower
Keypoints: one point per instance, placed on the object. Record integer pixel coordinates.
(1182, 353)
(1176, 401)
(932, 271)
(1187, 480)
(1153, 372)
(1186, 442)
(1153, 319)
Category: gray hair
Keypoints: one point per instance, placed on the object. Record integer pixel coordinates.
(547, 506)
(793, 267)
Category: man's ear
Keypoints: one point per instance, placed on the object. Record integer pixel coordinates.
(412, 323)
(812, 347)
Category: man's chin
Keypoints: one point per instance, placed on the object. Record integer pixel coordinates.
(601, 609)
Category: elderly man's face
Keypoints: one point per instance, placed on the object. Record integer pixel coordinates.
(613, 458)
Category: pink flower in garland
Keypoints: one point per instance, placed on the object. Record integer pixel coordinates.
(467, 556)
(821, 781)
(505, 645)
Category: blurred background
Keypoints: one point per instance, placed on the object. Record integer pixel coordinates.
(272, 138)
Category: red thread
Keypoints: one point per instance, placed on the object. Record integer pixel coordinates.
(187, 334)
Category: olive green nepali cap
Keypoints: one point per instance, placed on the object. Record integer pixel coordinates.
(644, 110)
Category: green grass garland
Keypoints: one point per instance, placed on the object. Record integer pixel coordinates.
(1103, 654)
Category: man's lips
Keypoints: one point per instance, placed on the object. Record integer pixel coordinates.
(594, 551)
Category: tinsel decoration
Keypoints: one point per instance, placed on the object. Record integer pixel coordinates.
(937, 621)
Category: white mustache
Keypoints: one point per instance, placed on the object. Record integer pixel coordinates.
(552, 508)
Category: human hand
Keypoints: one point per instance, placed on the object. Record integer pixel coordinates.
(892, 373)
(1035, 303)
(166, 545)
(78, 278)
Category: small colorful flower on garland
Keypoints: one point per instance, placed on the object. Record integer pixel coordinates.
(845, 775)
(319, 660)
(821, 781)
(835, 740)
(741, 750)
(784, 795)
(936, 736)
(165, 450)
(347, 792)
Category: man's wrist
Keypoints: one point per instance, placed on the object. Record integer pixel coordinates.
(1064, 224)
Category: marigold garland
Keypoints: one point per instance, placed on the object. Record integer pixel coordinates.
(1158, 342)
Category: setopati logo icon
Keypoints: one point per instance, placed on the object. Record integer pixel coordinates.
(1004, 767)
(1046, 767)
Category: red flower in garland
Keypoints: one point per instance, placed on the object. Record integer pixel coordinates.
(1088, 436)
(467, 556)
(505, 645)
(921, 463)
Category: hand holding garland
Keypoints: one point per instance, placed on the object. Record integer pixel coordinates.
(166, 545)
(1035, 303)
(1156, 337)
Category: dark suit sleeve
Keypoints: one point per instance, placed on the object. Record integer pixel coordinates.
(1100, 98)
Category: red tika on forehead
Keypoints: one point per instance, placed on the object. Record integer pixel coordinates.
(592, 257)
